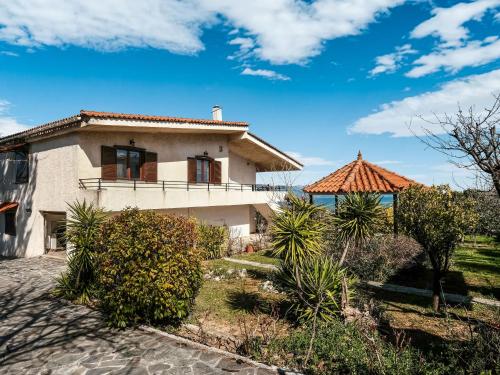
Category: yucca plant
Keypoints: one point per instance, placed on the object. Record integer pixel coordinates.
(317, 290)
(357, 219)
(296, 231)
(82, 232)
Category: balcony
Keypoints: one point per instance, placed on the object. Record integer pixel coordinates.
(115, 195)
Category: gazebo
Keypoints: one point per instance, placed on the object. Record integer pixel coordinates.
(360, 176)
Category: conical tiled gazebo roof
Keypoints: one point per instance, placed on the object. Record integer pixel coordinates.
(360, 176)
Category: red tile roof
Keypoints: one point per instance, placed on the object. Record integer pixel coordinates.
(360, 176)
(75, 121)
(128, 116)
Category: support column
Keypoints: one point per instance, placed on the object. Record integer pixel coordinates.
(336, 203)
(311, 200)
(394, 213)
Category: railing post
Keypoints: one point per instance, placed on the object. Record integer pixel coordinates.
(134, 184)
(227, 186)
(163, 185)
(208, 186)
(253, 187)
(99, 184)
(241, 185)
(187, 186)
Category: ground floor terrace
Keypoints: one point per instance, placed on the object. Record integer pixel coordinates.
(42, 231)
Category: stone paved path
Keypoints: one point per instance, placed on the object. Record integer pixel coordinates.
(40, 334)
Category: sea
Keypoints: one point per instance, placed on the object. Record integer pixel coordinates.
(329, 200)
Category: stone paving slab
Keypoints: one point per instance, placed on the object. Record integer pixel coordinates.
(40, 334)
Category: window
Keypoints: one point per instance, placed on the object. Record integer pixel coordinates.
(128, 164)
(202, 170)
(22, 169)
(10, 223)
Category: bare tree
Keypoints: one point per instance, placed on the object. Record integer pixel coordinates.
(472, 140)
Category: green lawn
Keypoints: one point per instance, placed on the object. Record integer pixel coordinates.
(475, 271)
(263, 256)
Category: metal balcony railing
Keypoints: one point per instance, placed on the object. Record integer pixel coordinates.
(100, 184)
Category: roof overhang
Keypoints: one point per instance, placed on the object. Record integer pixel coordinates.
(8, 206)
(144, 126)
(266, 157)
(13, 147)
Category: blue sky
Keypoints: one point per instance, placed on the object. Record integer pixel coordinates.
(320, 79)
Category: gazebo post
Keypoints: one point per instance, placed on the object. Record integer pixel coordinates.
(311, 200)
(336, 203)
(394, 213)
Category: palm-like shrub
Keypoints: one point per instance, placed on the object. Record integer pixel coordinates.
(82, 232)
(316, 290)
(359, 217)
(296, 231)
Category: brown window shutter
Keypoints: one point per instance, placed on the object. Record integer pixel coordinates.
(215, 172)
(108, 163)
(150, 167)
(191, 172)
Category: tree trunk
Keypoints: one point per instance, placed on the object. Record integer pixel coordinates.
(496, 182)
(344, 253)
(436, 291)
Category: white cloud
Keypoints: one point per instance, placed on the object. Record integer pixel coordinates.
(105, 24)
(392, 61)
(311, 161)
(291, 31)
(394, 117)
(474, 53)
(455, 51)
(279, 31)
(8, 124)
(269, 74)
(9, 53)
(447, 23)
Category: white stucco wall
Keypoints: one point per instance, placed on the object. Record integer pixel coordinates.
(53, 182)
(172, 149)
(56, 164)
(238, 218)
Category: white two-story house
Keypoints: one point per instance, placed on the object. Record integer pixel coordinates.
(201, 168)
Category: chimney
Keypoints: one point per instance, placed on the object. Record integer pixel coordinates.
(217, 113)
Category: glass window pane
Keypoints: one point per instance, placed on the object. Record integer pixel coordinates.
(202, 170)
(206, 170)
(121, 163)
(21, 167)
(135, 164)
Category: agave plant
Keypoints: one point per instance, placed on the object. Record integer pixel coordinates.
(358, 218)
(317, 290)
(296, 232)
(82, 233)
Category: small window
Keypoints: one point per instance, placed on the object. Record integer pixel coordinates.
(22, 168)
(128, 164)
(202, 170)
(10, 223)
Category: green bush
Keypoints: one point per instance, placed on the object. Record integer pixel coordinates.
(83, 227)
(479, 355)
(341, 348)
(212, 240)
(149, 270)
(315, 286)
